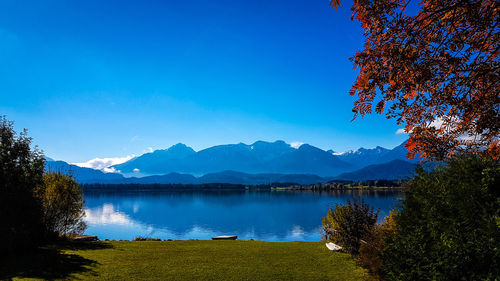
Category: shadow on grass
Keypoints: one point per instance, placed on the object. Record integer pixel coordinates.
(82, 245)
(49, 262)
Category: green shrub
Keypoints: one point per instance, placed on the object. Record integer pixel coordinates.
(62, 202)
(447, 228)
(370, 252)
(349, 224)
(140, 238)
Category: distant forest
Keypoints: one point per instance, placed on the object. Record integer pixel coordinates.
(333, 185)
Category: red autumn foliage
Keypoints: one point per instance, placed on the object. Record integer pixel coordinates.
(436, 72)
(335, 3)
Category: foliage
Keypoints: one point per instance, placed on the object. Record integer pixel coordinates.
(349, 224)
(447, 227)
(140, 238)
(21, 170)
(436, 71)
(335, 3)
(62, 202)
(371, 251)
(33, 205)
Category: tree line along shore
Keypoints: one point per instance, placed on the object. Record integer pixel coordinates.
(395, 185)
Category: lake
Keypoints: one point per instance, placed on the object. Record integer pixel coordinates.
(259, 215)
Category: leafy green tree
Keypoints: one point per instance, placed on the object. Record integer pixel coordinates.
(349, 224)
(21, 171)
(62, 202)
(447, 228)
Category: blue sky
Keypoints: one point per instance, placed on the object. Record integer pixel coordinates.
(114, 78)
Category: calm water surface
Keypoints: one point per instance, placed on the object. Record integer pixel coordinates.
(259, 215)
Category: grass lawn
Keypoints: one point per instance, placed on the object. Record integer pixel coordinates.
(185, 260)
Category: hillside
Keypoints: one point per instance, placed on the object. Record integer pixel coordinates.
(393, 170)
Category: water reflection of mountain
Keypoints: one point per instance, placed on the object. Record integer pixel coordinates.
(283, 215)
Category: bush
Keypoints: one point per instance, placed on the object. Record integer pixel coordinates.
(371, 251)
(62, 202)
(21, 171)
(349, 224)
(140, 238)
(447, 228)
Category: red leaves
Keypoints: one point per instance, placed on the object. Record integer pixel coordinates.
(335, 3)
(411, 145)
(380, 106)
(494, 149)
(441, 63)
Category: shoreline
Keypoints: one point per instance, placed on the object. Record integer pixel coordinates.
(237, 187)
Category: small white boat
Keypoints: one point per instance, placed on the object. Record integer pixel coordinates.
(333, 247)
(225, 237)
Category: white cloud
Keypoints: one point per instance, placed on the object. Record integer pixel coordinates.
(437, 123)
(110, 170)
(400, 131)
(104, 164)
(296, 144)
(297, 231)
(448, 123)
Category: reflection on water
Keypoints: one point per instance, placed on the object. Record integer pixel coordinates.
(106, 215)
(265, 215)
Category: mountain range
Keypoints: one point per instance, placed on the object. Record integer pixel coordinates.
(257, 163)
(259, 157)
(377, 155)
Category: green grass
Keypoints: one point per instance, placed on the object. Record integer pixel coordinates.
(185, 260)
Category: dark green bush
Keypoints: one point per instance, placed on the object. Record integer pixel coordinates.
(370, 253)
(21, 171)
(447, 228)
(34, 206)
(349, 224)
(139, 238)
